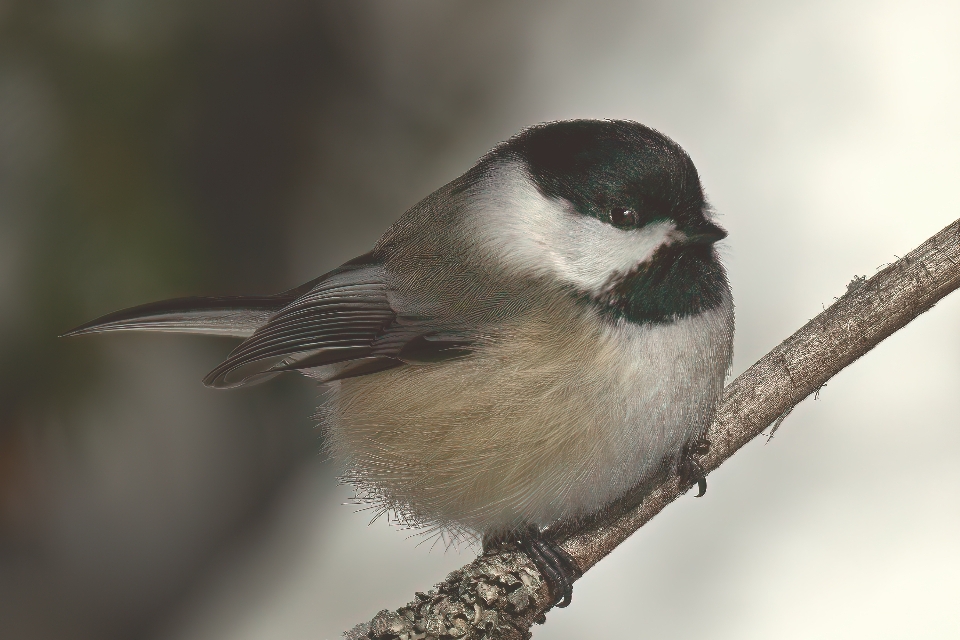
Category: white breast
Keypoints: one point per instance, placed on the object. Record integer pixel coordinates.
(554, 419)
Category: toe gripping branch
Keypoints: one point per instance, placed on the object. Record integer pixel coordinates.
(689, 468)
(554, 564)
(557, 567)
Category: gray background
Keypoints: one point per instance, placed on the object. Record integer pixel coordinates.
(156, 149)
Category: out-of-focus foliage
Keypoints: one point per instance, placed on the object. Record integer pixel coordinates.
(148, 152)
(158, 149)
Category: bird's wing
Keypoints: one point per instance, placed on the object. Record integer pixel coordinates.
(344, 326)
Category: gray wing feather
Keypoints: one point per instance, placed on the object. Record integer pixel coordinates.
(346, 325)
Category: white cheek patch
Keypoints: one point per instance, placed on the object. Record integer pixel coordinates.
(533, 234)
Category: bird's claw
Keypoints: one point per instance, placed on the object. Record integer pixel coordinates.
(689, 468)
(556, 566)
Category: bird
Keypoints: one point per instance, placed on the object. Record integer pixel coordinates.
(520, 349)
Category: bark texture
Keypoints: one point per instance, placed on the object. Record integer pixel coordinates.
(502, 595)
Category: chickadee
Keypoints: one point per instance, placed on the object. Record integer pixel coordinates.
(520, 349)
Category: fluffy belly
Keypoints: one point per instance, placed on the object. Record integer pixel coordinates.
(548, 422)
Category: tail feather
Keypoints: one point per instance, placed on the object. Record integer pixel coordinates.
(221, 316)
(237, 316)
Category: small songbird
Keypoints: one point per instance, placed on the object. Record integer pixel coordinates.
(520, 349)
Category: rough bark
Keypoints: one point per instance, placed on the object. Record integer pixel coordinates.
(502, 595)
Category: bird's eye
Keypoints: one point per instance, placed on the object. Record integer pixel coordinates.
(623, 218)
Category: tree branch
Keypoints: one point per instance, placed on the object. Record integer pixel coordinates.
(501, 595)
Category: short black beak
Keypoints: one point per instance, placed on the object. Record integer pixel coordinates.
(704, 233)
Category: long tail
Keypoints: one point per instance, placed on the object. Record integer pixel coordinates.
(237, 316)
(228, 316)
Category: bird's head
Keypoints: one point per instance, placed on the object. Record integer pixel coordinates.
(612, 210)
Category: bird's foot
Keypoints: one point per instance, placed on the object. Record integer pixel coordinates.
(557, 567)
(689, 468)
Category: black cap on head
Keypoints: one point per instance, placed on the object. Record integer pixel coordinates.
(599, 165)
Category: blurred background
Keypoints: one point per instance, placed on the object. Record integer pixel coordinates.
(152, 149)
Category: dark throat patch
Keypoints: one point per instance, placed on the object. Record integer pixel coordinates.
(678, 281)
